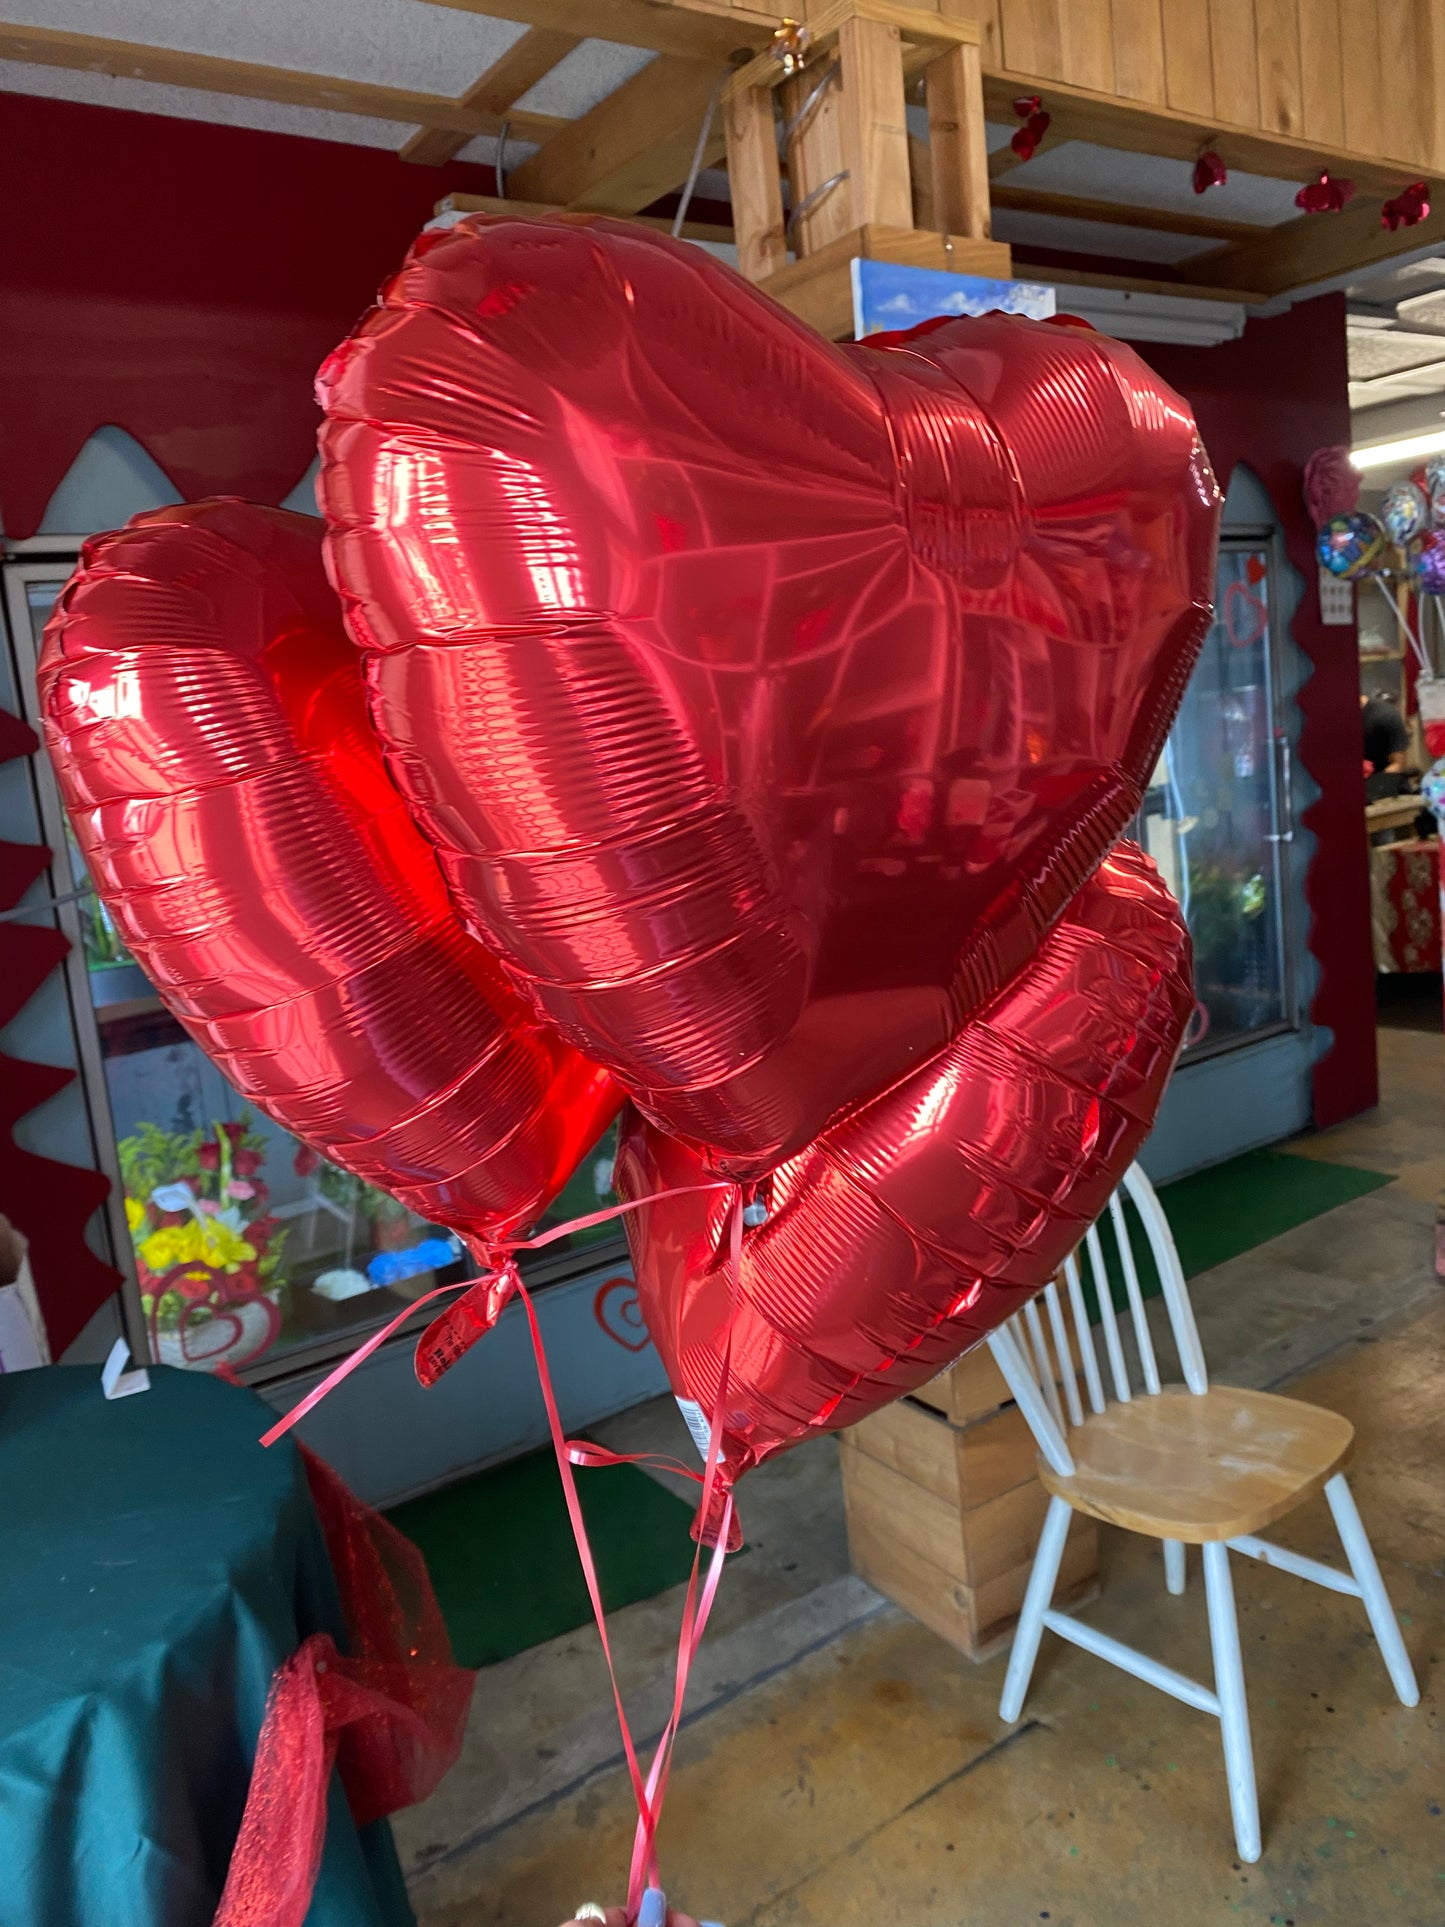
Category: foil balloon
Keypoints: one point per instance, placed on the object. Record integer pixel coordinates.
(207, 719)
(1354, 545)
(1404, 512)
(921, 1221)
(1427, 562)
(765, 700)
(1434, 473)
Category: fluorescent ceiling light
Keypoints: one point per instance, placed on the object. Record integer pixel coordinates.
(1383, 454)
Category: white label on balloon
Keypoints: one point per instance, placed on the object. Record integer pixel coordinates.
(695, 1419)
(1337, 600)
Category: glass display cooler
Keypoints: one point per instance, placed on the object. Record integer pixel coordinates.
(240, 1247)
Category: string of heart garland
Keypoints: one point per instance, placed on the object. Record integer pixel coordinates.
(448, 1337)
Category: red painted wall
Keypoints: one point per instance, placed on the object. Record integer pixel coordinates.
(183, 282)
(1269, 400)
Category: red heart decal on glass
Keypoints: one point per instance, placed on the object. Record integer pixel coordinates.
(766, 701)
(617, 1311)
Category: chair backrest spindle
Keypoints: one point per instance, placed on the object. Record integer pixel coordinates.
(1062, 1352)
(1148, 1364)
(1084, 1334)
(1105, 1297)
(1046, 1386)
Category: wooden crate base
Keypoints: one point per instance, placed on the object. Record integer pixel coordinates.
(978, 1620)
(945, 1507)
(819, 288)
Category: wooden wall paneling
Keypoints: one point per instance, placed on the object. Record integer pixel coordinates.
(1433, 81)
(958, 150)
(1087, 33)
(1033, 42)
(1232, 60)
(1404, 31)
(1365, 84)
(873, 122)
(1138, 28)
(986, 13)
(1277, 25)
(1322, 74)
(1188, 58)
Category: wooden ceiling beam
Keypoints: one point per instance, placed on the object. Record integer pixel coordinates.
(524, 63)
(208, 73)
(701, 29)
(662, 223)
(632, 147)
(1316, 247)
(1108, 121)
(1132, 284)
(1028, 200)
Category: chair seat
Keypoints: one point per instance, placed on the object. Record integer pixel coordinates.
(1200, 1466)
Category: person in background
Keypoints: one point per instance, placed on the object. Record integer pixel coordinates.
(1387, 739)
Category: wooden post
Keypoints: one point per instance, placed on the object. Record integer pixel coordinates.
(757, 194)
(953, 87)
(815, 155)
(873, 123)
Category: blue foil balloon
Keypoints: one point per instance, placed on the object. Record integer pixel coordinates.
(1404, 512)
(1353, 545)
(1427, 562)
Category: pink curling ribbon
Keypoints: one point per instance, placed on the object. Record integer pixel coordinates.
(445, 1340)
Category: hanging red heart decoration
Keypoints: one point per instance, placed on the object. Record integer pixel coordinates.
(1407, 208)
(1326, 195)
(1209, 171)
(1025, 142)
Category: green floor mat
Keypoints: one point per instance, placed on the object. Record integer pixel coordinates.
(500, 1551)
(1232, 1207)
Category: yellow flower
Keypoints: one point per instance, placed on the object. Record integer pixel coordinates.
(135, 1214)
(205, 1242)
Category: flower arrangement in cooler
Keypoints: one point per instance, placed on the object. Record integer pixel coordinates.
(207, 1248)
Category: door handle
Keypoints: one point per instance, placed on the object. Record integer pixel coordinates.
(1285, 791)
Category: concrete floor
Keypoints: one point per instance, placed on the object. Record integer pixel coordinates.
(842, 1767)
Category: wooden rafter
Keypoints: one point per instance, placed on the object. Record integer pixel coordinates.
(1072, 207)
(699, 29)
(632, 147)
(495, 204)
(524, 63)
(1317, 247)
(89, 53)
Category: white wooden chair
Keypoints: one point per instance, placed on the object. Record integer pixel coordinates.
(1186, 1464)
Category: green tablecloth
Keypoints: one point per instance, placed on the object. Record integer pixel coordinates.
(155, 1567)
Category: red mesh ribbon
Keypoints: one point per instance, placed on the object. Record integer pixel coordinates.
(391, 1713)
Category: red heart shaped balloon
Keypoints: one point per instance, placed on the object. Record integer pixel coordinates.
(916, 1225)
(206, 716)
(766, 701)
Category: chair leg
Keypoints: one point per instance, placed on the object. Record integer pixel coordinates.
(1036, 1603)
(1361, 1556)
(1174, 1565)
(1233, 1709)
